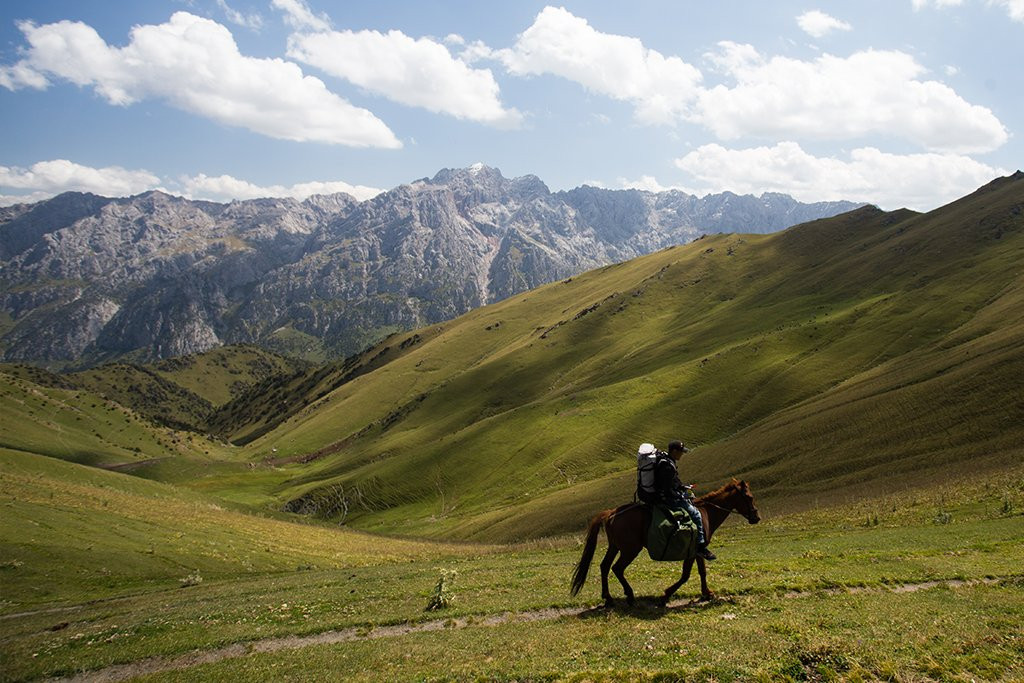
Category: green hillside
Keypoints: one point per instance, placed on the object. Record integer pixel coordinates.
(223, 374)
(833, 355)
(47, 414)
(146, 392)
(264, 405)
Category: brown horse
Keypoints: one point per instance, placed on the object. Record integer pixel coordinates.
(626, 527)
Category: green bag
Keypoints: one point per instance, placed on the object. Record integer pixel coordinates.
(672, 536)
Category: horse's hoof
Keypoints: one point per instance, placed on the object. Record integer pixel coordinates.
(663, 601)
(708, 597)
(608, 602)
(630, 601)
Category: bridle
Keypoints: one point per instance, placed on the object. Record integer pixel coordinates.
(723, 509)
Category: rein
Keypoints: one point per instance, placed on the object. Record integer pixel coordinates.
(714, 505)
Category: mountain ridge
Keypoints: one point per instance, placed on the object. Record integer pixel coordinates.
(88, 279)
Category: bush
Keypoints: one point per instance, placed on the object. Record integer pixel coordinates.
(191, 580)
(443, 596)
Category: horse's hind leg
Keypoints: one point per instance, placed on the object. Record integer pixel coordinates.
(670, 591)
(606, 565)
(620, 571)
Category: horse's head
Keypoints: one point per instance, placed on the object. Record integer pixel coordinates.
(742, 500)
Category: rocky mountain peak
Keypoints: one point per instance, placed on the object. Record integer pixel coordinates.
(85, 279)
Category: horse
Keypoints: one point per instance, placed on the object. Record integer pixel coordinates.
(626, 527)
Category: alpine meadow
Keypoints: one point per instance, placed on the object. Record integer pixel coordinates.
(414, 511)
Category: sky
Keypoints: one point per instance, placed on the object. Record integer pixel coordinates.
(901, 103)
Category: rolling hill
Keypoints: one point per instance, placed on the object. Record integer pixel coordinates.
(847, 355)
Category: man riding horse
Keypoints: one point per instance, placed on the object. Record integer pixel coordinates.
(671, 493)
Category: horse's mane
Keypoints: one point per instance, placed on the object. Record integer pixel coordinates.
(721, 491)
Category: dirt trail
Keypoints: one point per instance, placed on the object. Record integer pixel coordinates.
(121, 672)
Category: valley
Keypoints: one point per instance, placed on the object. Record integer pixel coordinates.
(240, 513)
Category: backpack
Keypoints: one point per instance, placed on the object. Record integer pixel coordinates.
(646, 460)
(672, 535)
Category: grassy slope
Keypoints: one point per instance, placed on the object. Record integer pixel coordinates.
(266, 404)
(91, 563)
(45, 415)
(223, 374)
(72, 533)
(832, 354)
(146, 392)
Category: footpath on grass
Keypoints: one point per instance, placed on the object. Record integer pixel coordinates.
(120, 672)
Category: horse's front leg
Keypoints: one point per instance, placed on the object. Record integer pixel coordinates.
(705, 592)
(687, 567)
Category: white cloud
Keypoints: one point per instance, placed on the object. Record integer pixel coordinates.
(833, 98)
(918, 4)
(645, 182)
(31, 198)
(48, 178)
(818, 24)
(298, 15)
(917, 181)
(660, 88)
(416, 72)
(194, 64)
(225, 188)
(251, 21)
(869, 93)
(1014, 8)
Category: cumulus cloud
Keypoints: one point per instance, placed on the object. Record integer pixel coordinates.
(298, 15)
(916, 181)
(661, 88)
(818, 24)
(416, 72)
(869, 93)
(835, 98)
(225, 188)
(194, 64)
(48, 178)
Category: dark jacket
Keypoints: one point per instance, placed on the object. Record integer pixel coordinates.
(669, 489)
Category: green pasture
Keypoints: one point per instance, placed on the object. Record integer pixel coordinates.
(99, 568)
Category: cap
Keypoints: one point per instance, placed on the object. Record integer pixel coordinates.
(678, 446)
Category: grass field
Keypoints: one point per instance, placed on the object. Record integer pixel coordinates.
(100, 569)
(864, 373)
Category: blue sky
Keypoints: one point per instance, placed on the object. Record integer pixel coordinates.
(896, 102)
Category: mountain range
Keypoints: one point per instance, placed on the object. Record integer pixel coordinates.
(87, 279)
(842, 359)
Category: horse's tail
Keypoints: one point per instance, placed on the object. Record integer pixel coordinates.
(579, 575)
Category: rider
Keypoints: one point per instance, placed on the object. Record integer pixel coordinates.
(675, 495)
